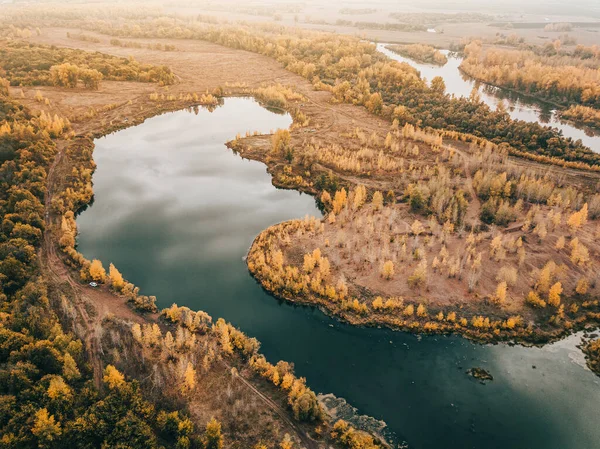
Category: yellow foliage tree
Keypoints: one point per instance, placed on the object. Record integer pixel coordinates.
(554, 294)
(578, 219)
(116, 278)
(212, 437)
(339, 201)
(58, 389)
(580, 255)
(534, 300)
(377, 200)
(360, 195)
(70, 370)
(378, 303)
(500, 295)
(287, 442)
(97, 271)
(45, 428)
(582, 286)
(545, 277)
(281, 141)
(309, 263)
(189, 378)
(417, 228)
(113, 377)
(387, 270)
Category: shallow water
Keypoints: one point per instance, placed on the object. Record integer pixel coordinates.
(519, 106)
(176, 211)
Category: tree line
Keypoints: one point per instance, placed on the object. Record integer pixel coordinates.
(355, 72)
(34, 65)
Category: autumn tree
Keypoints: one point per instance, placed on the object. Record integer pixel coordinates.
(554, 294)
(116, 278)
(582, 286)
(113, 377)
(65, 75)
(91, 78)
(387, 270)
(534, 300)
(58, 389)
(438, 84)
(97, 271)
(339, 201)
(377, 200)
(281, 143)
(70, 370)
(287, 442)
(578, 219)
(500, 295)
(360, 195)
(419, 276)
(45, 428)
(189, 379)
(213, 439)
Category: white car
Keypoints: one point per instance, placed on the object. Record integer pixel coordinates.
(93, 284)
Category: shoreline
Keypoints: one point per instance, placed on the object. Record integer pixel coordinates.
(347, 317)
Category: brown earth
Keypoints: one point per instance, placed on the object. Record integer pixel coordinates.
(199, 67)
(90, 311)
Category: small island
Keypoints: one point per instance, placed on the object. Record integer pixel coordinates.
(425, 54)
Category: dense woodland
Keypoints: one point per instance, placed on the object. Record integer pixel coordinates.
(582, 114)
(564, 79)
(34, 65)
(47, 397)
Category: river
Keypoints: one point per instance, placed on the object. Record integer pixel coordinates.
(175, 210)
(519, 106)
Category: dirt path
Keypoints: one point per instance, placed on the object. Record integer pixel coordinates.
(474, 208)
(92, 305)
(308, 442)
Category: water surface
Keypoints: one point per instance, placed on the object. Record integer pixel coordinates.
(176, 211)
(520, 107)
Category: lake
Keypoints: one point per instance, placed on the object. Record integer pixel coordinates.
(176, 211)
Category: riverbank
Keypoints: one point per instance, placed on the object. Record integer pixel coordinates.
(519, 105)
(362, 309)
(100, 316)
(328, 124)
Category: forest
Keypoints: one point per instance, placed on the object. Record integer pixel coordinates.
(562, 78)
(58, 389)
(441, 215)
(37, 65)
(356, 73)
(48, 398)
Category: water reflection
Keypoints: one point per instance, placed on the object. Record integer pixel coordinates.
(519, 106)
(176, 211)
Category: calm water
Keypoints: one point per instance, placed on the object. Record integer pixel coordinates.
(176, 211)
(519, 106)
